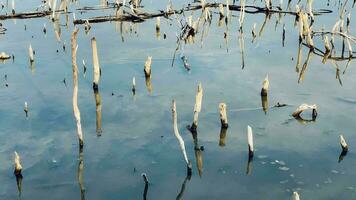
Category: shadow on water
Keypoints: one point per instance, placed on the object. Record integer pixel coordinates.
(249, 165)
(222, 140)
(19, 178)
(98, 106)
(342, 155)
(145, 179)
(264, 101)
(80, 173)
(182, 189)
(197, 150)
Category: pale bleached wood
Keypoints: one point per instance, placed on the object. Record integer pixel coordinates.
(265, 87)
(223, 115)
(250, 141)
(96, 65)
(76, 110)
(303, 108)
(197, 107)
(134, 85)
(343, 144)
(18, 166)
(176, 132)
(30, 53)
(295, 196)
(4, 56)
(26, 109)
(147, 68)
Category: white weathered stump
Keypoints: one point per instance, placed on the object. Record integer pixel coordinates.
(197, 107)
(250, 142)
(26, 109)
(147, 68)
(295, 196)
(95, 64)
(223, 115)
(18, 166)
(343, 144)
(30, 53)
(133, 85)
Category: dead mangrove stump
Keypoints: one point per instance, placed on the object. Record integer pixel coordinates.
(344, 146)
(197, 108)
(26, 109)
(147, 71)
(133, 86)
(295, 196)
(76, 110)
(96, 65)
(223, 116)
(250, 142)
(147, 67)
(18, 172)
(31, 54)
(18, 166)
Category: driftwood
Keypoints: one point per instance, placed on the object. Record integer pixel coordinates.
(297, 113)
(32, 14)
(140, 17)
(4, 56)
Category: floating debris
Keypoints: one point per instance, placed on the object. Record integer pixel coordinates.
(283, 168)
(304, 107)
(4, 56)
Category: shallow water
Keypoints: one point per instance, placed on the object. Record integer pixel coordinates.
(137, 132)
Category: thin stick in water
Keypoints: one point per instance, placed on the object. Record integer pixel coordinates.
(179, 137)
(75, 87)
